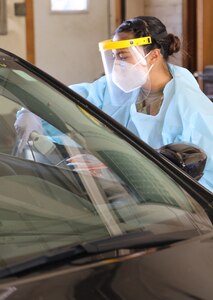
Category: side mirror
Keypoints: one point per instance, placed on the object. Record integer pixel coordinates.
(188, 157)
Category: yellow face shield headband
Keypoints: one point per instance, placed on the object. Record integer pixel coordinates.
(111, 45)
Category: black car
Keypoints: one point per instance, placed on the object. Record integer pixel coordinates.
(89, 211)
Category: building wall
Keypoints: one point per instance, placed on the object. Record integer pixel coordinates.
(170, 13)
(66, 44)
(15, 39)
(134, 8)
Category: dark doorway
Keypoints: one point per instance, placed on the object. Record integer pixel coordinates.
(189, 45)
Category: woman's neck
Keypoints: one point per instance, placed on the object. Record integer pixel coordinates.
(159, 76)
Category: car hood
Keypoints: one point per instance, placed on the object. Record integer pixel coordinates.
(182, 271)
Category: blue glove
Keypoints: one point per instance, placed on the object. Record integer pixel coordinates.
(26, 123)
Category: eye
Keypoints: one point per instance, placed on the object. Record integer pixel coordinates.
(120, 55)
(123, 55)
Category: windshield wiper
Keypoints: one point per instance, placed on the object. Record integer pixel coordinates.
(133, 240)
(138, 239)
(50, 257)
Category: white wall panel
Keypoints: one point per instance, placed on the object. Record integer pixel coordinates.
(67, 44)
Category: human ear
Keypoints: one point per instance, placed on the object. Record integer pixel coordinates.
(155, 54)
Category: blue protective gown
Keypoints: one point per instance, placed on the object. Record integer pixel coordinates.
(186, 114)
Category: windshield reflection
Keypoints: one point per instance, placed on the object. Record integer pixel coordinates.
(78, 181)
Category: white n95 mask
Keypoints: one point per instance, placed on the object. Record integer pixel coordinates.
(129, 77)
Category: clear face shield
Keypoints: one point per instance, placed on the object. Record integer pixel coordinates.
(125, 65)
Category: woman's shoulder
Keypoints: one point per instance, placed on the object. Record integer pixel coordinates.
(185, 90)
(181, 73)
(183, 80)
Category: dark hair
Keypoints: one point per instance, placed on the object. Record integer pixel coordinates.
(151, 26)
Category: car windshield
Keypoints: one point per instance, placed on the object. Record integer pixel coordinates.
(77, 181)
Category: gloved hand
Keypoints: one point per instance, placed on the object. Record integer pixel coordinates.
(25, 124)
